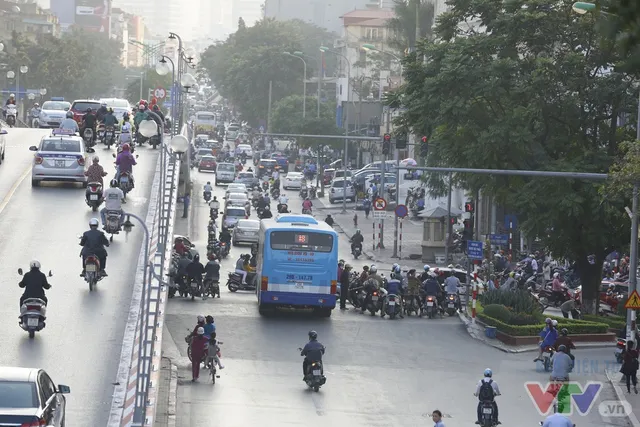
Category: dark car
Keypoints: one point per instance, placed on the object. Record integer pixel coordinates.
(207, 163)
(248, 179)
(266, 167)
(79, 108)
(28, 397)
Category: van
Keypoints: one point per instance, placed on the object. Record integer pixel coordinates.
(225, 172)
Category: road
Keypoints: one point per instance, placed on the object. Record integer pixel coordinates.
(82, 341)
(380, 372)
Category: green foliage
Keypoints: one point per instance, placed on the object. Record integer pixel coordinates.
(498, 311)
(535, 91)
(520, 319)
(242, 66)
(614, 322)
(403, 24)
(286, 117)
(534, 330)
(151, 80)
(518, 301)
(76, 65)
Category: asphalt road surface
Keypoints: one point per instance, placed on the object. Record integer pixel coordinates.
(380, 372)
(81, 344)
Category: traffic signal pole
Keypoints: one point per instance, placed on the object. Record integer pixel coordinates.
(383, 171)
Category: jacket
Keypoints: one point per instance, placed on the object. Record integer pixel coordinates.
(344, 280)
(93, 242)
(126, 161)
(101, 113)
(394, 286)
(198, 345)
(110, 120)
(195, 269)
(139, 117)
(313, 351)
(212, 269)
(89, 120)
(549, 336)
(95, 172)
(34, 283)
(431, 287)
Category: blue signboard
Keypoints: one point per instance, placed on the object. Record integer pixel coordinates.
(401, 211)
(499, 239)
(510, 222)
(474, 249)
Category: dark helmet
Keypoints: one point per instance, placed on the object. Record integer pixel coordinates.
(313, 335)
(89, 110)
(564, 332)
(114, 183)
(196, 258)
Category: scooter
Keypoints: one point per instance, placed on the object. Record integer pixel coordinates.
(211, 287)
(93, 195)
(486, 411)
(207, 196)
(92, 271)
(12, 113)
(451, 304)
(113, 224)
(87, 135)
(392, 307)
(430, 307)
(101, 132)
(234, 283)
(283, 208)
(109, 136)
(315, 378)
(33, 313)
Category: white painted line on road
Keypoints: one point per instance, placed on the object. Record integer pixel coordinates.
(14, 188)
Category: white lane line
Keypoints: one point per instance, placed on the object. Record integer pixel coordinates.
(14, 188)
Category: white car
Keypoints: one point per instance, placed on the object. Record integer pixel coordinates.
(120, 106)
(293, 180)
(239, 200)
(246, 148)
(341, 189)
(236, 187)
(52, 113)
(225, 172)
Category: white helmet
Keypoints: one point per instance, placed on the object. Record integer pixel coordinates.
(200, 318)
(93, 222)
(556, 275)
(12, 96)
(200, 330)
(34, 264)
(554, 323)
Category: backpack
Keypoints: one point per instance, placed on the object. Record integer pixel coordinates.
(486, 391)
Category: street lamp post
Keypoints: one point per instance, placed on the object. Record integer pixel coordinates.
(180, 70)
(304, 83)
(298, 53)
(346, 126)
(22, 70)
(162, 69)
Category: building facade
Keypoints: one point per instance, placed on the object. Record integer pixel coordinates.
(29, 19)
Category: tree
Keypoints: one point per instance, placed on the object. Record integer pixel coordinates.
(526, 85)
(286, 118)
(241, 24)
(242, 66)
(150, 81)
(403, 25)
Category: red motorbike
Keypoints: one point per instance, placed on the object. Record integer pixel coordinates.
(549, 298)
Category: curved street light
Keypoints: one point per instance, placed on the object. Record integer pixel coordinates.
(43, 91)
(304, 82)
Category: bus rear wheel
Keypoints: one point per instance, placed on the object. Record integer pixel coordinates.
(323, 312)
(264, 311)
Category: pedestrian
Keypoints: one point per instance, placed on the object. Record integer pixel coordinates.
(366, 204)
(437, 418)
(570, 306)
(630, 366)
(186, 200)
(198, 346)
(355, 220)
(344, 286)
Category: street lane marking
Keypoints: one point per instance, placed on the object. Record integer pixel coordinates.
(14, 188)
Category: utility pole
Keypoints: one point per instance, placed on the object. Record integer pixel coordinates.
(633, 252)
(449, 227)
(383, 171)
(415, 45)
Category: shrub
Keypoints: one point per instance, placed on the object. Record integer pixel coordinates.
(534, 330)
(498, 311)
(521, 319)
(518, 301)
(614, 322)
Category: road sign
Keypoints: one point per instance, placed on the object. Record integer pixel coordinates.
(261, 129)
(499, 239)
(474, 249)
(379, 214)
(510, 222)
(160, 93)
(379, 204)
(633, 302)
(401, 211)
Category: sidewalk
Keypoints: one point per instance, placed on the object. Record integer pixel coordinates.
(620, 390)
(411, 233)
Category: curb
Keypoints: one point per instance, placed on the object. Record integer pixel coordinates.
(173, 397)
(468, 323)
(631, 418)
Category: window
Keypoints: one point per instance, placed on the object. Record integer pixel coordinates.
(301, 241)
(225, 167)
(61, 145)
(427, 232)
(56, 105)
(236, 213)
(373, 33)
(82, 106)
(16, 394)
(438, 234)
(48, 389)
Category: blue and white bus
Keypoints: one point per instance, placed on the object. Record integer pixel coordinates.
(297, 264)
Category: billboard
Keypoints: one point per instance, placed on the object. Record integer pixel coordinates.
(64, 10)
(93, 15)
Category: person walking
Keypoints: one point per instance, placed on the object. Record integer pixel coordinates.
(630, 367)
(344, 286)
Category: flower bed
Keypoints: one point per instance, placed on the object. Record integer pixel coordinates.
(576, 327)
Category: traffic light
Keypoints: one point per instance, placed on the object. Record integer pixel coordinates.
(386, 144)
(467, 233)
(424, 147)
(453, 220)
(401, 141)
(469, 207)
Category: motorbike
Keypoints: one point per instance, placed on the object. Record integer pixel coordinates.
(211, 287)
(234, 283)
(125, 183)
(547, 359)
(92, 271)
(312, 192)
(195, 289)
(11, 114)
(109, 136)
(207, 196)
(411, 305)
(224, 250)
(101, 132)
(154, 141)
(315, 378)
(113, 224)
(33, 313)
(451, 304)
(486, 411)
(356, 294)
(35, 120)
(357, 250)
(376, 301)
(87, 135)
(548, 298)
(393, 307)
(430, 307)
(265, 185)
(93, 195)
(304, 192)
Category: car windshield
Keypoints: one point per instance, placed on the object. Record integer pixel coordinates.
(208, 159)
(18, 395)
(238, 196)
(205, 117)
(267, 162)
(117, 103)
(82, 106)
(340, 183)
(245, 175)
(236, 188)
(56, 105)
(226, 167)
(204, 151)
(61, 145)
(247, 223)
(236, 212)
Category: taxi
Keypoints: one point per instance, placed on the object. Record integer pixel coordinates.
(59, 157)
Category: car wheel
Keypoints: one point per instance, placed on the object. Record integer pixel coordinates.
(3, 152)
(35, 183)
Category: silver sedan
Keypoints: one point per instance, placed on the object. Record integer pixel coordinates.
(246, 231)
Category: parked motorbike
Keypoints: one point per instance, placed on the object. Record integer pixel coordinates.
(93, 195)
(109, 136)
(393, 307)
(430, 307)
(113, 225)
(33, 313)
(234, 283)
(12, 114)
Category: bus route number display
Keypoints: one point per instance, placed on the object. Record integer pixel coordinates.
(302, 239)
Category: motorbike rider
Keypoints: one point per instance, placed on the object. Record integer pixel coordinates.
(198, 351)
(93, 242)
(195, 270)
(413, 284)
(356, 239)
(307, 205)
(431, 287)
(89, 121)
(557, 288)
(451, 284)
(102, 112)
(549, 336)
(35, 111)
(312, 352)
(207, 189)
(283, 201)
(140, 116)
(110, 119)
(34, 283)
(373, 283)
(69, 124)
(564, 340)
(557, 420)
(95, 172)
(225, 236)
(240, 268)
(113, 197)
(329, 220)
(125, 162)
(486, 391)
(394, 287)
(266, 213)
(156, 109)
(511, 283)
(364, 274)
(562, 365)
(425, 273)
(214, 205)
(11, 100)
(212, 270)
(125, 131)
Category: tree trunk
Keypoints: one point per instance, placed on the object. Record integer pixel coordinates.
(591, 278)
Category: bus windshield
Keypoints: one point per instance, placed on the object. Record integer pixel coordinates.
(301, 241)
